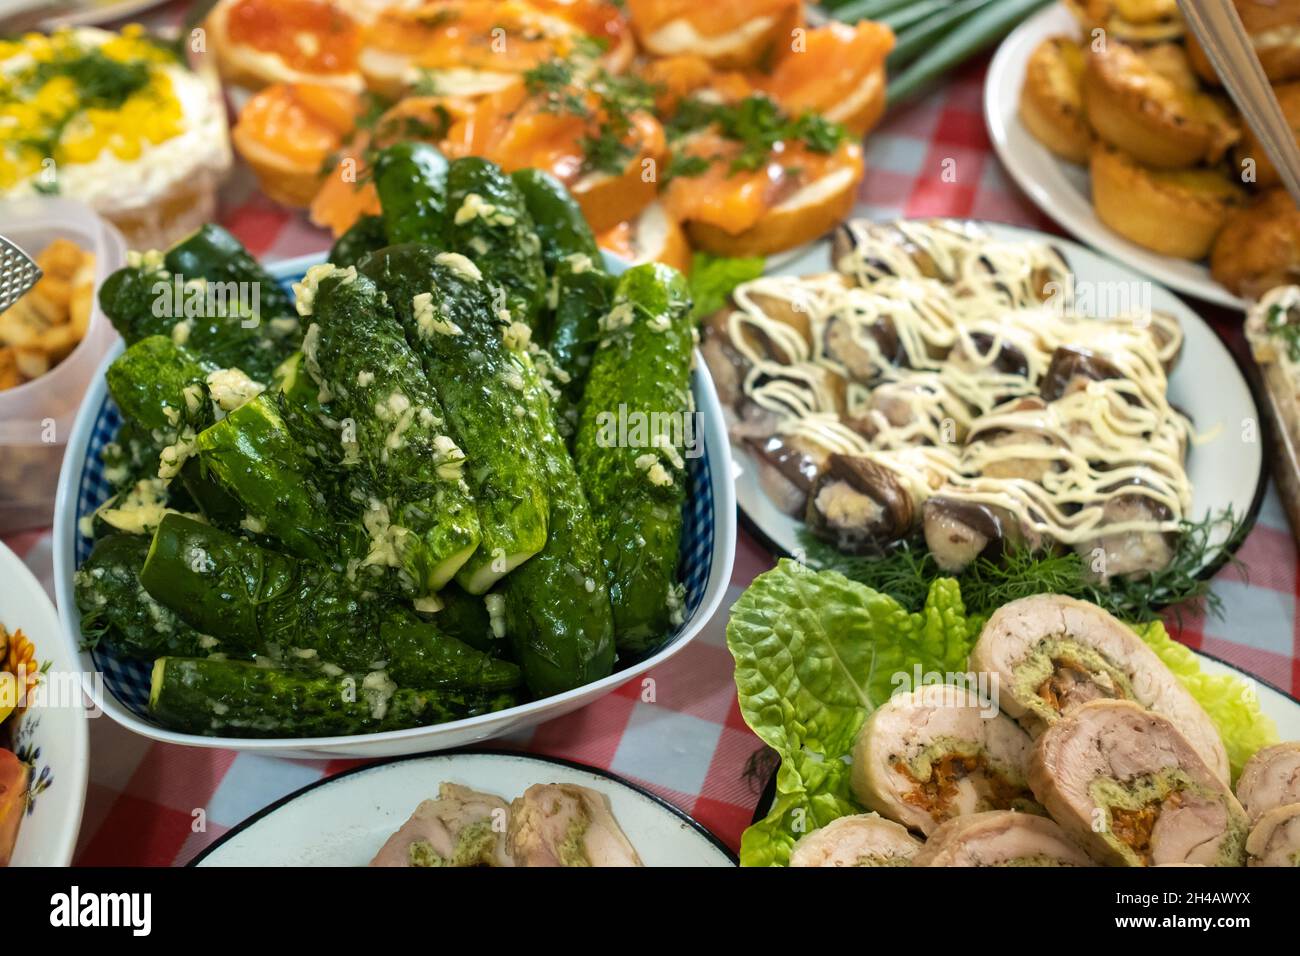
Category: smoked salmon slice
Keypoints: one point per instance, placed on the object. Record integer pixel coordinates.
(258, 42)
(287, 133)
(837, 71)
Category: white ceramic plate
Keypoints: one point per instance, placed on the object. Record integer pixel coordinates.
(51, 734)
(708, 570)
(1059, 188)
(344, 820)
(1283, 709)
(93, 12)
(1225, 471)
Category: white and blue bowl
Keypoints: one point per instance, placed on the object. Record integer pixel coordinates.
(707, 554)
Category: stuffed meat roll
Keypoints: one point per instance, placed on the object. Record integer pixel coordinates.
(939, 752)
(1000, 838)
(1052, 654)
(1275, 841)
(1125, 783)
(864, 839)
(1270, 779)
(562, 824)
(463, 827)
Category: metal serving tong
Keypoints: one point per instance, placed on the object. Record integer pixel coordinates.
(17, 273)
(1226, 42)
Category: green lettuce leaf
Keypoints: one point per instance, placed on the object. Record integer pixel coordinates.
(1229, 700)
(713, 278)
(815, 654)
(810, 793)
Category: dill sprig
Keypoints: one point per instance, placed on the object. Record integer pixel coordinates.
(904, 571)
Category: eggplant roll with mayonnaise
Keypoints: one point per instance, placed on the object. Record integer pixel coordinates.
(1270, 779)
(939, 752)
(863, 839)
(1275, 840)
(1000, 838)
(1052, 654)
(859, 504)
(1127, 784)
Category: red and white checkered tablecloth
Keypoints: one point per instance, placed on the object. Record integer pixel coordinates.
(690, 745)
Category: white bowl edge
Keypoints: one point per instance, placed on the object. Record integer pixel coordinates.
(77, 774)
(416, 739)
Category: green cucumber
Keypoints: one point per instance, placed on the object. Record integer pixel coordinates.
(467, 618)
(118, 612)
(207, 497)
(235, 323)
(630, 449)
(237, 699)
(580, 289)
(273, 604)
(411, 179)
(253, 457)
(130, 456)
(557, 218)
(583, 293)
(303, 413)
(423, 521)
(160, 386)
(557, 606)
(488, 221)
(441, 300)
(213, 254)
(365, 235)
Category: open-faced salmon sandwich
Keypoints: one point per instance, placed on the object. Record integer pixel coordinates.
(653, 236)
(259, 42)
(728, 33)
(469, 48)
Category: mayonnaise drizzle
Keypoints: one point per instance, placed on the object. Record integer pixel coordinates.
(954, 395)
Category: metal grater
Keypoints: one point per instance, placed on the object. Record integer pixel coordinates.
(17, 273)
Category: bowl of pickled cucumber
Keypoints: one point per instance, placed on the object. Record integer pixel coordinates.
(460, 476)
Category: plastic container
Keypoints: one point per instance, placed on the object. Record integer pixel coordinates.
(36, 417)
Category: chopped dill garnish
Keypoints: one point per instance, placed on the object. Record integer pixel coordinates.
(904, 571)
(758, 124)
(616, 98)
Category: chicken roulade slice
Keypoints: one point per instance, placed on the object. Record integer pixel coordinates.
(1052, 654)
(1270, 779)
(1125, 783)
(863, 839)
(562, 824)
(1275, 841)
(939, 752)
(463, 827)
(1000, 838)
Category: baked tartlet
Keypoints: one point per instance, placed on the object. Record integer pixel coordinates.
(1136, 21)
(1146, 102)
(1259, 246)
(1051, 99)
(116, 121)
(1288, 97)
(1175, 212)
(1274, 28)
